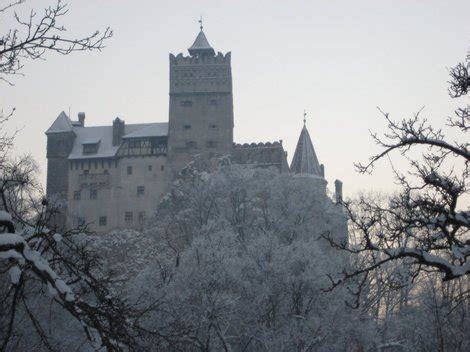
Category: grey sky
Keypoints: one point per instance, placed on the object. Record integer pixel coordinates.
(336, 59)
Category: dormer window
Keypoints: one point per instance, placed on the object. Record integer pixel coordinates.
(91, 146)
(186, 103)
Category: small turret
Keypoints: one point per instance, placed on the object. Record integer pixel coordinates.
(118, 131)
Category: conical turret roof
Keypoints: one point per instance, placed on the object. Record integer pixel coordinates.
(305, 159)
(201, 46)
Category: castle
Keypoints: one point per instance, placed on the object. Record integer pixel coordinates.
(114, 176)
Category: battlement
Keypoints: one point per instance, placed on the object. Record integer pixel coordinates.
(219, 59)
(258, 145)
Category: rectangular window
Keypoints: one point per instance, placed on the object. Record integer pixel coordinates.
(211, 144)
(162, 167)
(186, 103)
(86, 172)
(191, 144)
(77, 195)
(103, 220)
(150, 167)
(213, 127)
(129, 170)
(80, 222)
(93, 194)
(187, 127)
(128, 216)
(106, 172)
(141, 216)
(140, 190)
(213, 102)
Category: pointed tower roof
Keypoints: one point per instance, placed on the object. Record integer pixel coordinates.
(61, 124)
(201, 46)
(305, 159)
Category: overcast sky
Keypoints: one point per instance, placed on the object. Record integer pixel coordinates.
(339, 60)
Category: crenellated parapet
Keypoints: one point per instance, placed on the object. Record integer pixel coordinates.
(269, 154)
(182, 60)
(206, 74)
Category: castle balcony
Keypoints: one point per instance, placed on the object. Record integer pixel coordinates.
(101, 180)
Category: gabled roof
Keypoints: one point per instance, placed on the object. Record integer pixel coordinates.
(104, 134)
(61, 124)
(201, 46)
(305, 160)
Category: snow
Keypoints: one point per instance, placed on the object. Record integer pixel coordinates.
(15, 273)
(57, 237)
(10, 239)
(4, 216)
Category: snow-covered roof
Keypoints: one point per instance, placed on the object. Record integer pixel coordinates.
(104, 135)
(152, 130)
(92, 141)
(201, 45)
(305, 159)
(61, 124)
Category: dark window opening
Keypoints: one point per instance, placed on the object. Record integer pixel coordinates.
(186, 103)
(140, 190)
(93, 194)
(141, 216)
(187, 127)
(150, 167)
(86, 172)
(191, 144)
(211, 144)
(129, 170)
(128, 216)
(213, 102)
(213, 127)
(77, 195)
(162, 167)
(103, 220)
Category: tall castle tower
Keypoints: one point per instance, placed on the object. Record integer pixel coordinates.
(201, 105)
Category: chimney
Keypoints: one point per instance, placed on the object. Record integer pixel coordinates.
(81, 118)
(339, 191)
(118, 131)
(322, 170)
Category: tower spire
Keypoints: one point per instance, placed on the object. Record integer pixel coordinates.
(201, 46)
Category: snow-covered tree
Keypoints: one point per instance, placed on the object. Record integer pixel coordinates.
(240, 266)
(426, 223)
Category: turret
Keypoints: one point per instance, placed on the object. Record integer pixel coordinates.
(60, 139)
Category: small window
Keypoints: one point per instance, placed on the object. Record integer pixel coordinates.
(187, 127)
(162, 168)
(80, 222)
(77, 195)
(213, 126)
(140, 190)
(141, 216)
(211, 144)
(135, 143)
(93, 194)
(128, 216)
(106, 172)
(103, 220)
(191, 144)
(150, 167)
(129, 170)
(86, 172)
(186, 103)
(90, 148)
(213, 102)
